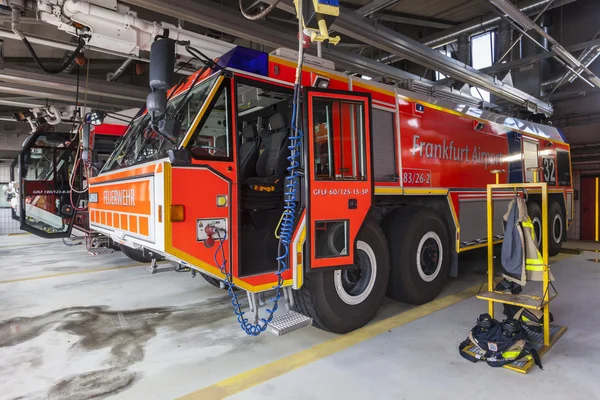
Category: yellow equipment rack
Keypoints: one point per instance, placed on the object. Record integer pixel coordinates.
(550, 333)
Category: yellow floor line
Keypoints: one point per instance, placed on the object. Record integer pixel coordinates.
(19, 234)
(85, 271)
(256, 376)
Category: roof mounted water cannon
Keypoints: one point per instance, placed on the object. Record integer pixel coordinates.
(316, 16)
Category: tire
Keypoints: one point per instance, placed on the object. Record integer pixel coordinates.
(535, 214)
(135, 254)
(557, 231)
(556, 228)
(344, 300)
(212, 281)
(419, 252)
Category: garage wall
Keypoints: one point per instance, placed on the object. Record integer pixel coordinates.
(7, 224)
(578, 171)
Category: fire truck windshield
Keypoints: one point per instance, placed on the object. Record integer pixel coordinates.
(143, 143)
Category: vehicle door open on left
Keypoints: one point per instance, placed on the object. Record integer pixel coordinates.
(45, 166)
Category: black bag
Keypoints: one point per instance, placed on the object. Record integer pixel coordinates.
(500, 342)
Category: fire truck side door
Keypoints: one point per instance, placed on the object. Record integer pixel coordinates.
(14, 178)
(45, 164)
(339, 173)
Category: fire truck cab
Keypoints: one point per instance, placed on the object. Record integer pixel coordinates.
(390, 187)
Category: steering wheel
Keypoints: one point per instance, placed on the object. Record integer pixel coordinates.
(207, 147)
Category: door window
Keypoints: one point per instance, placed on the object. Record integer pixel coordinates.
(530, 152)
(338, 139)
(564, 168)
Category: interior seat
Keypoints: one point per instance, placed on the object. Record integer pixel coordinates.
(248, 152)
(264, 191)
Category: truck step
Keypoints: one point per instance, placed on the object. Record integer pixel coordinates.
(100, 251)
(155, 267)
(288, 322)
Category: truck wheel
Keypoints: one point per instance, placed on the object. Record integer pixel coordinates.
(535, 214)
(556, 225)
(419, 252)
(137, 254)
(213, 281)
(346, 299)
(556, 234)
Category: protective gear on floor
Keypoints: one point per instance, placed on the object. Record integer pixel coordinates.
(497, 343)
(531, 319)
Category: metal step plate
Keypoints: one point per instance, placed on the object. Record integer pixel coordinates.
(162, 267)
(288, 322)
(100, 251)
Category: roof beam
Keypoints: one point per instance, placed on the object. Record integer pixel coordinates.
(527, 60)
(28, 76)
(514, 14)
(399, 19)
(375, 6)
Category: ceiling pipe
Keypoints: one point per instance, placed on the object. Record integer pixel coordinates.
(113, 76)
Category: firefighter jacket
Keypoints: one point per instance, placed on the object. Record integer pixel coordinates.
(519, 248)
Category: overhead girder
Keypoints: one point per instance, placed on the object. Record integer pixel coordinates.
(62, 87)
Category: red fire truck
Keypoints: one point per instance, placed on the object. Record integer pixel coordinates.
(390, 186)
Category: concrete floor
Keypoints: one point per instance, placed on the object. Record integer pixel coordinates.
(74, 326)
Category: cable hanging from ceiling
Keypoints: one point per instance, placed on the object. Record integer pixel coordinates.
(259, 15)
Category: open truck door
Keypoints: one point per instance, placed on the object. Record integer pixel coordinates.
(340, 179)
(44, 168)
(14, 181)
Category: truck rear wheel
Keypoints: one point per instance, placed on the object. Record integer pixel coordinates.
(135, 254)
(419, 253)
(556, 225)
(212, 281)
(346, 299)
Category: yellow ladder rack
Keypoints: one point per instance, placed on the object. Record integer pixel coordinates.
(528, 301)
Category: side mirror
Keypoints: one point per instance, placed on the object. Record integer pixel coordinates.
(180, 156)
(156, 103)
(162, 64)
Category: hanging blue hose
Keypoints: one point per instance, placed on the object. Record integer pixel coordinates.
(285, 234)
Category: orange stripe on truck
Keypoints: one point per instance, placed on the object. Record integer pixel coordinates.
(133, 225)
(143, 226)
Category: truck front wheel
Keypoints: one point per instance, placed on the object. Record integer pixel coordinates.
(420, 254)
(346, 299)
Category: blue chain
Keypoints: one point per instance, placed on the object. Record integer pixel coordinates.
(285, 235)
